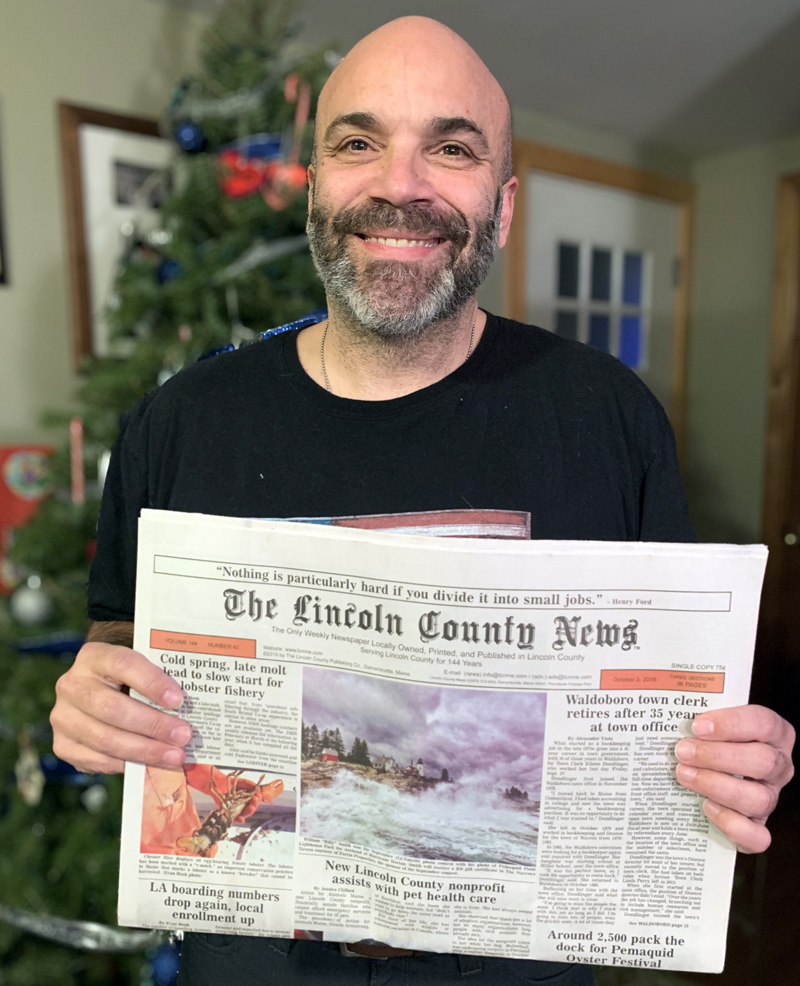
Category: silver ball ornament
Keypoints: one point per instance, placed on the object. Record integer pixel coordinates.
(30, 604)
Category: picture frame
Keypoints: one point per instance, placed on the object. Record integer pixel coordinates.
(108, 160)
(3, 255)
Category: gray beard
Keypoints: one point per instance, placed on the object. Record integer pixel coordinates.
(391, 299)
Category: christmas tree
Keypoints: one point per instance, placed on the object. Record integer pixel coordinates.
(227, 260)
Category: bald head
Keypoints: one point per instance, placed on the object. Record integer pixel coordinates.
(414, 57)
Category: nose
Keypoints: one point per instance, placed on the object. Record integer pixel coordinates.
(400, 177)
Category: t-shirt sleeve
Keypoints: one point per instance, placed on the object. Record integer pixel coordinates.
(112, 578)
(664, 512)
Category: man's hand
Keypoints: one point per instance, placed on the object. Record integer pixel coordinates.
(97, 727)
(739, 760)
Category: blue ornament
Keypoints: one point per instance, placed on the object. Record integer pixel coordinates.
(189, 136)
(164, 965)
(263, 147)
(168, 270)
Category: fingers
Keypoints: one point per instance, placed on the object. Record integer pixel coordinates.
(749, 798)
(747, 834)
(739, 760)
(757, 760)
(745, 724)
(91, 742)
(123, 666)
(96, 727)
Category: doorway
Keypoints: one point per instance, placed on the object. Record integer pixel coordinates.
(600, 252)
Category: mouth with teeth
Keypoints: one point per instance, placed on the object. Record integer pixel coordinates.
(401, 242)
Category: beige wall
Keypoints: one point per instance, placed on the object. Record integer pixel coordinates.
(736, 196)
(122, 55)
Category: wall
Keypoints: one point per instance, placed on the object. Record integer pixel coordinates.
(123, 55)
(736, 197)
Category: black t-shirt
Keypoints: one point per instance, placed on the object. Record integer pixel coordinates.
(530, 423)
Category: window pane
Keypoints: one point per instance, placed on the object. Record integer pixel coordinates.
(567, 324)
(568, 267)
(599, 331)
(630, 340)
(632, 279)
(601, 275)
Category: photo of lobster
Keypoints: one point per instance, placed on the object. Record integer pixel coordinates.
(203, 810)
(232, 804)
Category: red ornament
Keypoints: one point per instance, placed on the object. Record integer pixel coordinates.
(240, 176)
(284, 182)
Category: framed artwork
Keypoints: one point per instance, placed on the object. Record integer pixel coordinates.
(114, 170)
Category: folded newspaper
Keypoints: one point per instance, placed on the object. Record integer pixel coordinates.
(447, 744)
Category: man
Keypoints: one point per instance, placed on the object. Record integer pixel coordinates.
(407, 398)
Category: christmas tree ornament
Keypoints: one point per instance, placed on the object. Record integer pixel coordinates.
(28, 772)
(244, 163)
(189, 136)
(24, 482)
(283, 183)
(77, 467)
(258, 147)
(239, 176)
(164, 962)
(94, 797)
(30, 605)
(168, 270)
(158, 238)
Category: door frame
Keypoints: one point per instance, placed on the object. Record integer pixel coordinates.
(784, 366)
(531, 156)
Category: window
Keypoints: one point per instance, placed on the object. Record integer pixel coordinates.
(602, 297)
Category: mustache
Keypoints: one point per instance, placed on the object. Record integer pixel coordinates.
(407, 219)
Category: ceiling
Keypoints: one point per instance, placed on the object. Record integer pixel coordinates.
(696, 76)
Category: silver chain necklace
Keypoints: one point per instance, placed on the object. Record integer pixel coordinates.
(325, 333)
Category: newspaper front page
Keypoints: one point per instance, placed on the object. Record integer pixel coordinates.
(438, 743)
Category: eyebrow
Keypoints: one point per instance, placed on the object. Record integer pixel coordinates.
(360, 120)
(449, 126)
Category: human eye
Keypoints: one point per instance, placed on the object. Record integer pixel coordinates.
(355, 145)
(453, 153)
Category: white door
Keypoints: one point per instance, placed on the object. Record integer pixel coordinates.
(601, 268)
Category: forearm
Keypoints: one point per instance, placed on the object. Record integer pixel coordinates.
(120, 633)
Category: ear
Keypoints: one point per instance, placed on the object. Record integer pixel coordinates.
(509, 191)
(310, 178)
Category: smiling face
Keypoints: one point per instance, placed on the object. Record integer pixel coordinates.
(406, 203)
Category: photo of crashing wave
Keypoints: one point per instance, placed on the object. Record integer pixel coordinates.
(420, 770)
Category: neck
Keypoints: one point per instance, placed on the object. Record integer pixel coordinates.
(361, 366)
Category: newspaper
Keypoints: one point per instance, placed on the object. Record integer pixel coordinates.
(442, 744)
